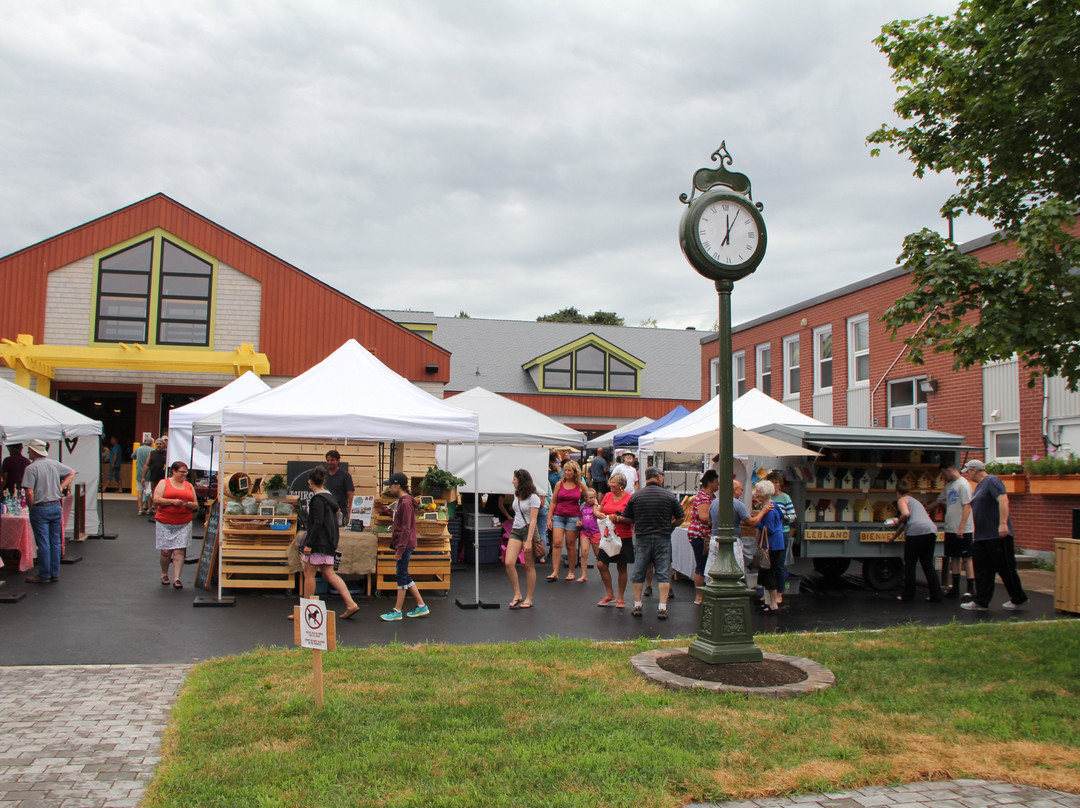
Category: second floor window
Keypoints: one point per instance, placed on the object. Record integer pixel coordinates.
(738, 374)
(764, 369)
(859, 351)
(791, 366)
(823, 359)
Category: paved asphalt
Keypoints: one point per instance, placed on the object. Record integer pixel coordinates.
(110, 608)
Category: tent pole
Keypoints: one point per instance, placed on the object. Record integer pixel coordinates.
(476, 604)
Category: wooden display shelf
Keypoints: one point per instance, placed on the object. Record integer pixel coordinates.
(878, 491)
(256, 556)
(876, 464)
(429, 566)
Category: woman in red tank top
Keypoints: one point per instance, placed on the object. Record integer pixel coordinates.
(564, 520)
(176, 505)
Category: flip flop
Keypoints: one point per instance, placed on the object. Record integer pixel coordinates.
(551, 578)
(582, 580)
(569, 577)
(348, 613)
(607, 602)
(620, 604)
(178, 584)
(164, 579)
(515, 603)
(525, 605)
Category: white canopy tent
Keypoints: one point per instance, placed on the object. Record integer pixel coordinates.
(749, 411)
(743, 442)
(608, 438)
(349, 395)
(197, 451)
(74, 439)
(512, 436)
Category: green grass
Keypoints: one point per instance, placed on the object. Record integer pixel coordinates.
(569, 723)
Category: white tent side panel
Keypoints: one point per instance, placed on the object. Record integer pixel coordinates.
(497, 466)
(85, 458)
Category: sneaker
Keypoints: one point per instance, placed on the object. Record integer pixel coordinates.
(972, 606)
(967, 597)
(390, 616)
(1012, 607)
(419, 611)
(636, 611)
(648, 591)
(950, 593)
(661, 614)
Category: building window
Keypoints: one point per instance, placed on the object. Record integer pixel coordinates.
(154, 292)
(791, 366)
(859, 351)
(907, 404)
(184, 313)
(123, 300)
(764, 368)
(1006, 447)
(738, 373)
(823, 359)
(714, 377)
(589, 368)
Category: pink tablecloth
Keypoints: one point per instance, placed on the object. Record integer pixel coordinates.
(16, 534)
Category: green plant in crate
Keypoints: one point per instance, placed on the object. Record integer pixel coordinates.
(1047, 466)
(275, 483)
(439, 480)
(998, 469)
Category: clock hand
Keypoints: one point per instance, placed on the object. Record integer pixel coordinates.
(727, 235)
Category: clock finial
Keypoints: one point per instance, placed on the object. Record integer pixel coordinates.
(706, 178)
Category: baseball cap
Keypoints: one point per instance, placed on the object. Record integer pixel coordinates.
(397, 478)
(653, 473)
(974, 465)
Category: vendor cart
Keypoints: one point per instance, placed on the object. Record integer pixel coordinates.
(844, 497)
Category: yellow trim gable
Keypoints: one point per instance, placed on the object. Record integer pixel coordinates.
(569, 349)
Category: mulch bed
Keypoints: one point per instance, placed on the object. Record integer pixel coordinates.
(767, 673)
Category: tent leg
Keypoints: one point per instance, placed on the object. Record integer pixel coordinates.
(477, 604)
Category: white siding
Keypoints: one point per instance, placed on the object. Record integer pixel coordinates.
(858, 406)
(1001, 392)
(1060, 402)
(823, 407)
(69, 308)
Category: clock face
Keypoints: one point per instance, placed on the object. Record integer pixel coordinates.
(728, 233)
(723, 236)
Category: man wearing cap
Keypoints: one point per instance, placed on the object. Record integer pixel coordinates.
(143, 490)
(626, 470)
(45, 482)
(403, 542)
(992, 550)
(653, 511)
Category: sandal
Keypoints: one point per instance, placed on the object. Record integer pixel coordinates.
(569, 577)
(607, 602)
(164, 579)
(178, 584)
(582, 580)
(620, 604)
(348, 613)
(552, 577)
(515, 603)
(525, 605)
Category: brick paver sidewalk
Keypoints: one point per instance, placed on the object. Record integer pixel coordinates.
(82, 735)
(947, 794)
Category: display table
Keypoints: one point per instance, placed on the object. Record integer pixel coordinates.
(16, 534)
(358, 551)
(682, 554)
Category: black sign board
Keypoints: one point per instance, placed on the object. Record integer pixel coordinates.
(204, 575)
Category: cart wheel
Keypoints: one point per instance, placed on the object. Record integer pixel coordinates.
(832, 567)
(883, 574)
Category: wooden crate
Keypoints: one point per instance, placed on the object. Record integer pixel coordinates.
(429, 565)
(253, 555)
(1067, 575)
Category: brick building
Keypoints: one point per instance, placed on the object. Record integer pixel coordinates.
(831, 357)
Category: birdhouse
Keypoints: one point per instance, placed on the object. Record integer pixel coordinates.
(810, 514)
(828, 478)
(861, 479)
(847, 478)
(844, 511)
(863, 511)
(828, 510)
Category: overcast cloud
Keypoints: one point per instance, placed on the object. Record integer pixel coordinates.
(504, 158)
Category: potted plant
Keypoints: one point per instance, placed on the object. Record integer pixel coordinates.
(275, 486)
(1011, 475)
(1054, 475)
(440, 483)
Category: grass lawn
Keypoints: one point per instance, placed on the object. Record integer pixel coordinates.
(569, 723)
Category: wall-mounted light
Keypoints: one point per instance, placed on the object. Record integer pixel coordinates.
(431, 368)
(928, 386)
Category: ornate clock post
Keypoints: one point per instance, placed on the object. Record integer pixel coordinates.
(722, 235)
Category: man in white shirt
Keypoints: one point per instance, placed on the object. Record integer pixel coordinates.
(959, 529)
(628, 471)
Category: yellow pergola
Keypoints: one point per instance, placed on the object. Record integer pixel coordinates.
(40, 361)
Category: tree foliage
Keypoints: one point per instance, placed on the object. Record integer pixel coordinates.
(991, 95)
(572, 315)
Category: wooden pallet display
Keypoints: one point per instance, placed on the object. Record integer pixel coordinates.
(429, 565)
(254, 555)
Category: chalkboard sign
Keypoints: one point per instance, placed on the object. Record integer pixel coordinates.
(204, 575)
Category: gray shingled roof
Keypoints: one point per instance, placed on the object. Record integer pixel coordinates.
(498, 349)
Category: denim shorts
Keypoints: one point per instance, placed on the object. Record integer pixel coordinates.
(565, 522)
(700, 555)
(402, 570)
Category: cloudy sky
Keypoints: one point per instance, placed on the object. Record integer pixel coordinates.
(503, 158)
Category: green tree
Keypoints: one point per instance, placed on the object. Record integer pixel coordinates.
(572, 315)
(649, 322)
(991, 95)
(463, 315)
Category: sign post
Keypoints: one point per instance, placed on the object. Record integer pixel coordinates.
(314, 627)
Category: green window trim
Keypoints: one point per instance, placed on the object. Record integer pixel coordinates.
(588, 366)
(174, 304)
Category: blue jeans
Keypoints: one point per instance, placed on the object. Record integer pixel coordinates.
(45, 520)
(404, 581)
(655, 550)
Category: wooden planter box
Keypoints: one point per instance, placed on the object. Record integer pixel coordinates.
(1054, 484)
(1014, 483)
